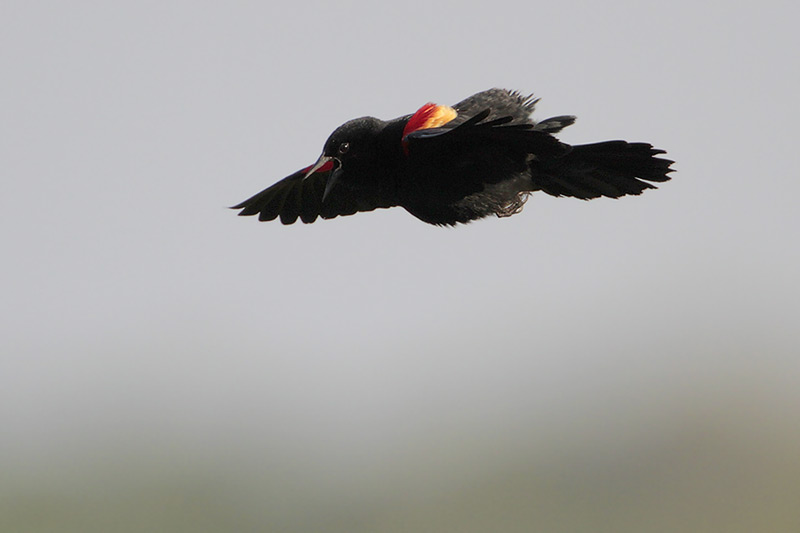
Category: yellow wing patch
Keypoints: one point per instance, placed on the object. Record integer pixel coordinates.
(441, 115)
(429, 116)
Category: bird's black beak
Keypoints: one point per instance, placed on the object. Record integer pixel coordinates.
(326, 163)
(321, 162)
(332, 179)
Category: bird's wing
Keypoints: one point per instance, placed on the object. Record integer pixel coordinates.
(505, 103)
(457, 173)
(295, 197)
(479, 151)
(502, 103)
(484, 135)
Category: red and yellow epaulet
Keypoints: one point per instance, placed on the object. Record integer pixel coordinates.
(429, 116)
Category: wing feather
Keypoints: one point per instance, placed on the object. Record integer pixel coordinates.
(294, 197)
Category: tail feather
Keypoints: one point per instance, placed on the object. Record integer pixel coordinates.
(612, 169)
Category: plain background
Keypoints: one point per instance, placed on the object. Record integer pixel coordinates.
(626, 365)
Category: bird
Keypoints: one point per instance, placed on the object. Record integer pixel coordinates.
(449, 165)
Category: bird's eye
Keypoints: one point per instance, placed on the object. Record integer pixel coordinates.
(343, 148)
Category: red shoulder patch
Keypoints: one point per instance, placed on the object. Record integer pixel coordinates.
(429, 116)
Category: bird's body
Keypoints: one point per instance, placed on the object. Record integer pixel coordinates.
(448, 165)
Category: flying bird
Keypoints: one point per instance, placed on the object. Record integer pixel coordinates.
(447, 165)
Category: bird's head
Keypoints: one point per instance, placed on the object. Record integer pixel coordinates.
(349, 147)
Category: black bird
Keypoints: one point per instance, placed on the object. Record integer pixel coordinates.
(444, 165)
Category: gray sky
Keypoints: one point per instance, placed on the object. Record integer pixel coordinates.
(141, 318)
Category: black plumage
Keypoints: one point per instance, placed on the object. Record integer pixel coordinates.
(481, 157)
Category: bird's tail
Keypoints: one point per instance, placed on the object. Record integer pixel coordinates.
(611, 168)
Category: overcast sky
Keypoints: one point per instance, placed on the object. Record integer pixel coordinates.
(139, 315)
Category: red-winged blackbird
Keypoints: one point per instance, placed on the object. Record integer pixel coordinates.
(444, 165)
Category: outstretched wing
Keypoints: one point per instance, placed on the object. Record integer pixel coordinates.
(294, 197)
